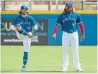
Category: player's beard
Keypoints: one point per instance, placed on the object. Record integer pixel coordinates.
(68, 11)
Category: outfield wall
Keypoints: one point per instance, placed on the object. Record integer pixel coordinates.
(47, 20)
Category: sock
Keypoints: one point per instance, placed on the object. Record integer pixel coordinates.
(25, 58)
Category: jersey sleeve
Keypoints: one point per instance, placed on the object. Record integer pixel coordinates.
(78, 20)
(16, 22)
(59, 21)
(33, 22)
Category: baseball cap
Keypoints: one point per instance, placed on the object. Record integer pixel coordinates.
(69, 4)
(24, 7)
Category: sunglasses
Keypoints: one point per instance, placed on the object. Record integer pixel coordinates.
(69, 6)
(24, 9)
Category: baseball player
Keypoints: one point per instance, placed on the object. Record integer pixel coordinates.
(69, 21)
(23, 26)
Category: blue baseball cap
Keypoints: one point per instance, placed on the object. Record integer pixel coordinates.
(24, 7)
(69, 4)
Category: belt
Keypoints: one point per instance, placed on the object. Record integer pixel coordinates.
(70, 32)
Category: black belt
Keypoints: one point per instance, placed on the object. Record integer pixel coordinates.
(71, 32)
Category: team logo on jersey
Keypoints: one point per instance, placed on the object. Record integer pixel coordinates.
(22, 22)
(67, 19)
(29, 23)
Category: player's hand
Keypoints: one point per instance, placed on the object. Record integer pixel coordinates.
(54, 37)
(30, 34)
(82, 37)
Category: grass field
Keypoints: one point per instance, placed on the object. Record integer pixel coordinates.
(46, 59)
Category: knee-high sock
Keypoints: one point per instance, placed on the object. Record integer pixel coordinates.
(25, 58)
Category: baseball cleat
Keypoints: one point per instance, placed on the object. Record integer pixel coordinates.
(79, 70)
(24, 68)
(64, 69)
(12, 27)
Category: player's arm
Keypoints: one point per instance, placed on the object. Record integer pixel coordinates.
(35, 27)
(22, 31)
(82, 31)
(81, 25)
(34, 23)
(18, 27)
(56, 27)
(55, 31)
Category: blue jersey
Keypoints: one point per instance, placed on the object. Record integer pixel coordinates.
(26, 23)
(69, 21)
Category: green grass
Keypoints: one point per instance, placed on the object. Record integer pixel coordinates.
(46, 59)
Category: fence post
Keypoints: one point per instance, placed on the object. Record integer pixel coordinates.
(83, 4)
(57, 8)
(30, 5)
(49, 5)
(3, 5)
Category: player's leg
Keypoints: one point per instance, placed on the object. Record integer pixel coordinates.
(26, 44)
(19, 36)
(75, 44)
(65, 44)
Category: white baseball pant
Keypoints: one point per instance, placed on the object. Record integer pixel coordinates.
(26, 40)
(73, 39)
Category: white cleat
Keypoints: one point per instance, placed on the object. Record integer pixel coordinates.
(64, 69)
(79, 70)
(24, 69)
(12, 27)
